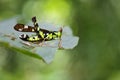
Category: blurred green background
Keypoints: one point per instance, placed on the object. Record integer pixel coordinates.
(97, 56)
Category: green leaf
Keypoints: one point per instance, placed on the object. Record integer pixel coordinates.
(10, 38)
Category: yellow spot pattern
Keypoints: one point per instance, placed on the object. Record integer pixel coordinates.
(41, 34)
(49, 36)
(58, 34)
(34, 38)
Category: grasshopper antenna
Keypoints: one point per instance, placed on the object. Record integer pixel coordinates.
(35, 22)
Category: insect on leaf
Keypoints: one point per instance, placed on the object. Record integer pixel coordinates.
(10, 38)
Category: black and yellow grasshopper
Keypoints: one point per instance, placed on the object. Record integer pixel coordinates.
(41, 34)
